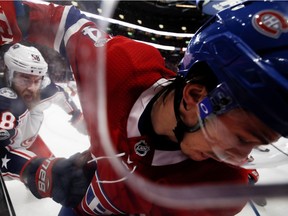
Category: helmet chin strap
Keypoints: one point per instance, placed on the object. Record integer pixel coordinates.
(181, 128)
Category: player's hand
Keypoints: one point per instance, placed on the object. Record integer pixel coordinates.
(65, 180)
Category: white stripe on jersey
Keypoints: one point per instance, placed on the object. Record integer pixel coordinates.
(139, 107)
(74, 28)
(10, 176)
(23, 153)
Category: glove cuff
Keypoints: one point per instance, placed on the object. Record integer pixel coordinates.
(37, 176)
(43, 177)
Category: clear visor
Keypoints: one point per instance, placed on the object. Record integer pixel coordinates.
(25, 80)
(231, 132)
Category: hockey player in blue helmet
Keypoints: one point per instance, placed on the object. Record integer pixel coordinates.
(245, 48)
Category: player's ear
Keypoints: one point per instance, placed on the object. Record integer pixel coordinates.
(193, 94)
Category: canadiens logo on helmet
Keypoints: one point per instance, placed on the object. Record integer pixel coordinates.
(141, 148)
(270, 23)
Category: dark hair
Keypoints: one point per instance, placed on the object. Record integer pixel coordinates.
(199, 73)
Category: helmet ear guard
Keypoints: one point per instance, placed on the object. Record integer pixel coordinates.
(217, 102)
(24, 59)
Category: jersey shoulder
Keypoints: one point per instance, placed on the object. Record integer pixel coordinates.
(12, 113)
(50, 90)
(10, 102)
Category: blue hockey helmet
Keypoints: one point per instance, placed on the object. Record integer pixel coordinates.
(246, 47)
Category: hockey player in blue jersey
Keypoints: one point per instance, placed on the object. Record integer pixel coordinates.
(27, 93)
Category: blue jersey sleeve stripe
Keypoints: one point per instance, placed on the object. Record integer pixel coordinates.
(19, 8)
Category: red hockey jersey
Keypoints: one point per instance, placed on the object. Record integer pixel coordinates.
(133, 73)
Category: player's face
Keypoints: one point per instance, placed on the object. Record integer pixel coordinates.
(229, 137)
(28, 87)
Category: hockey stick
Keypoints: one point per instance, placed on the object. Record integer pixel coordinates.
(6, 207)
(254, 208)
